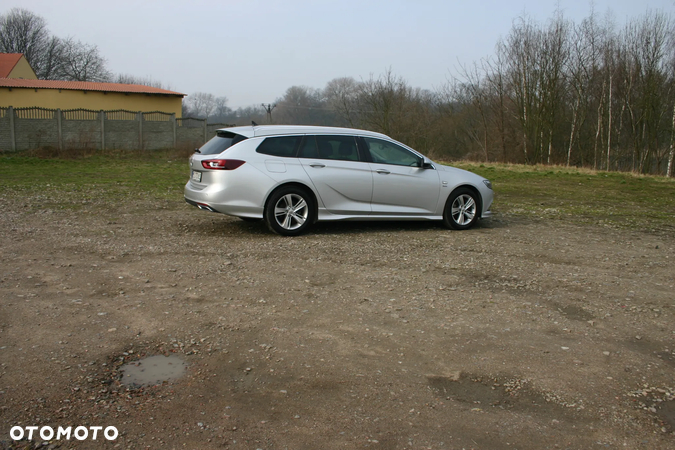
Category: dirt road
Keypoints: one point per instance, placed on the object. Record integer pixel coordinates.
(518, 334)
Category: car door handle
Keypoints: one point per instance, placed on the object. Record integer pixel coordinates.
(383, 171)
(317, 165)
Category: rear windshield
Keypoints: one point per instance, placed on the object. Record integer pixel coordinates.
(220, 142)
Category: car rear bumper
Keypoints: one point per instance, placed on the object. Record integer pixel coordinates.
(224, 201)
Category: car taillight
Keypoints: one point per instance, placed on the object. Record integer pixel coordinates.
(222, 164)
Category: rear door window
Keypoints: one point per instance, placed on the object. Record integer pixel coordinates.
(221, 142)
(285, 146)
(342, 148)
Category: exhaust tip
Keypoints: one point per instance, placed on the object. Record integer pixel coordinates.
(202, 206)
(205, 207)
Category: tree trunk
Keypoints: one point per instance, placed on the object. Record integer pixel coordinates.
(525, 100)
(574, 126)
(609, 122)
(671, 155)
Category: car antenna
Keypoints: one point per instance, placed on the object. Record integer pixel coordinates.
(253, 123)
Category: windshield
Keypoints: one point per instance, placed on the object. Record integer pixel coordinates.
(220, 142)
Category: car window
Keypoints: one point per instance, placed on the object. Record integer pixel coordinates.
(308, 148)
(385, 152)
(279, 146)
(220, 142)
(337, 147)
(329, 147)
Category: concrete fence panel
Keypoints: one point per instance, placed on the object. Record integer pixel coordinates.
(80, 128)
(31, 128)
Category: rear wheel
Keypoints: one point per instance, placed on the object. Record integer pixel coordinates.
(461, 209)
(289, 211)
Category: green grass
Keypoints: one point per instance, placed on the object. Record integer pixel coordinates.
(110, 179)
(581, 195)
(114, 179)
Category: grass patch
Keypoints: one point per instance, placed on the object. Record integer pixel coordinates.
(114, 179)
(581, 195)
(109, 178)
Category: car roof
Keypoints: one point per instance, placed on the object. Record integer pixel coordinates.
(250, 131)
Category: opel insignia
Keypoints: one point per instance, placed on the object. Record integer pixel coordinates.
(293, 176)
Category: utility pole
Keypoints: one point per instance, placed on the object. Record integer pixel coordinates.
(269, 107)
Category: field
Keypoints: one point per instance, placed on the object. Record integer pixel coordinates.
(548, 326)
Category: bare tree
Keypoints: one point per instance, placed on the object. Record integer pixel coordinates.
(580, 69)
(82, 62)
(200, 104)
(497, 85)
(671, 152)
(21, 31)
(382, 102)
(124, 78)
(646, 43)
(303, 105)
(221, 110)
(520, 53)
(473, 89)
(341, 95)
(554, 57)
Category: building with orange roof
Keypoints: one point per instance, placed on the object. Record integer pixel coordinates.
(15, 65)
(20, 88)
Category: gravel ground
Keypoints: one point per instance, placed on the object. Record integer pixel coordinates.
(519, 334)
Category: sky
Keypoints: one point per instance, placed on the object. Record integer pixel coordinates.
(251, 51)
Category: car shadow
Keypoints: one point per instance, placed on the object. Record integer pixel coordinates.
(361, 227)
(232, 225)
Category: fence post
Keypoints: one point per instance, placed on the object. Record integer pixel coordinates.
(140, 129)
(58, 125)
(12, 134)
(101, 116)
(173, 122)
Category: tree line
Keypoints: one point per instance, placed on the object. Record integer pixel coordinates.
(586, 94)
(589, 94)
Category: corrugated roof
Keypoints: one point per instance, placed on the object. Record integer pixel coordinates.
(84, 86)
(7, 63)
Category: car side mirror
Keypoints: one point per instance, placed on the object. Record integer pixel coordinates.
(426, 164)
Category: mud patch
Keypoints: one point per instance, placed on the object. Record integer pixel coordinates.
(485, 392)
(651, 348)
(666, 413)
(667, 356)
(574, 312)
(152, 370)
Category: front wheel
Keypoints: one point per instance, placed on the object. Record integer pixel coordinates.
(461, 209)
(289, 211)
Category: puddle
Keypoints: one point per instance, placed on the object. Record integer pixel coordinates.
(152, 370)
(502, 393)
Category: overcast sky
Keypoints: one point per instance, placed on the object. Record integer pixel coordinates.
(251, 51)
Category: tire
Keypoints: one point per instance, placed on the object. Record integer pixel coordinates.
(461, 209)
(289, 211)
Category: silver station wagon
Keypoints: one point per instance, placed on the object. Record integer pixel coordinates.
(294, 176)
